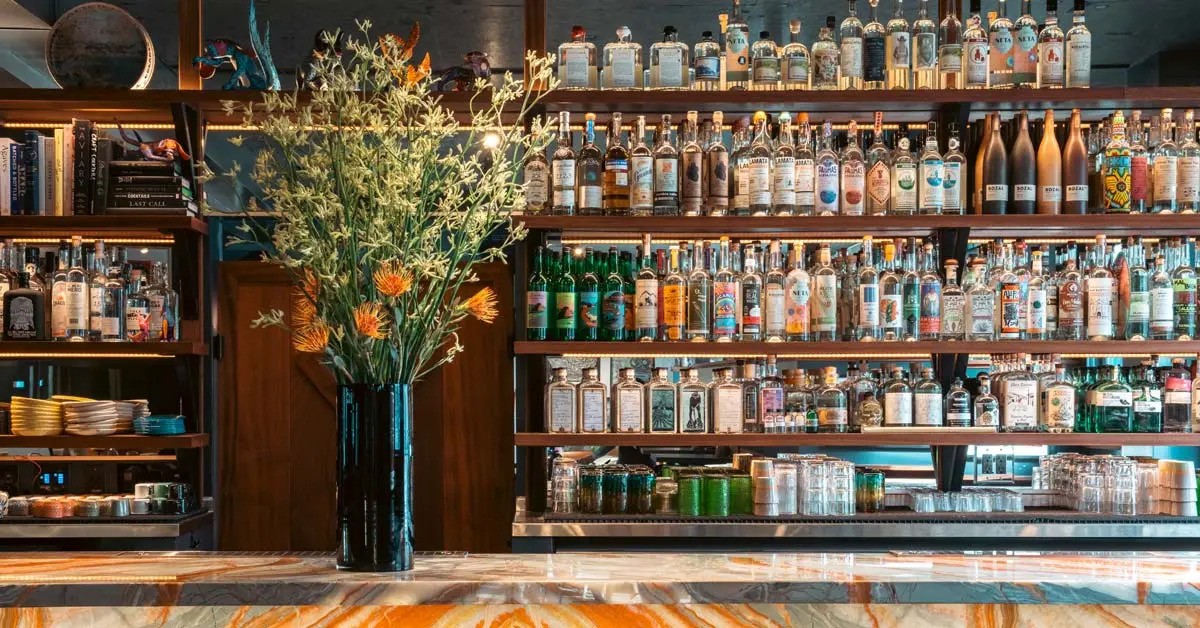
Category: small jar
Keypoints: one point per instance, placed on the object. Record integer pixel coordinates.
(691, 496)
(641, 491)
(616, 491)
(591, 490)
(716, 495)
(869, 491)
(666, 497)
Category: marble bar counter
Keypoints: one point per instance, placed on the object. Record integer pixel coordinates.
(605, 589)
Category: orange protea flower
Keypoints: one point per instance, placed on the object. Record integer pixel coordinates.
(304, 312)
(310, 285)
(370, 320)
(392, 280)
(313, 338)
(482, 305)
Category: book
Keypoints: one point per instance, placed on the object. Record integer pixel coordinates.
(32, 194)
(155, 211)
(144, 179)
(143, 167)
(93, 138)
(104, 151)
(135, 188)
(161, 196)
(151, 203)
(61, 179)
(17, 180)
(81, 196)
(6, 145)
(50, 183)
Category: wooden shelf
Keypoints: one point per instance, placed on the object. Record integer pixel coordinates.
(100, 226)
(49, 350)
(1081, 226)
(526, 439)
(116, 441)
(845, 350)
(73, 459)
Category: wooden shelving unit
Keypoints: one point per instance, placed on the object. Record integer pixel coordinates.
(841, 350)
(120, 442)
(100, 226)
(923, 438)
(51, 350)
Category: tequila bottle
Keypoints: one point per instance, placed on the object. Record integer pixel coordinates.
(904, 180)
(1183, 281)
(868, 295)
(96, 278)
(1071, 316)
(24, 311)
(891, 296)
(796, 59)
(1165, 167)
(1011, 311)
(950, 50)
(707, 55)
(1035, 319)
(1050, 61)
(593, 406)
(57, 276)
(112, 313)
(674, 300)
(976, 51)
(764, 63)
(1100, 291)
(612, 300)
(693, 404)
(137, 312)
(716, 158)
(1019, 399)
(616, 170)
(831, 404)
(661, 399)
(641, 172)
(930, 322)
(1177, 398)
(646, 293)
(726, 403)
(564, 317)
(589, 164)
(987, 406)
(775, 298)
(897, 401)
(874, 50)
(1189, 166)
(562, 170)
(899, 50)
(75, 292)
(1079, 50)
(825, 56)
(981, 307)
(622, 62)
(1025, 48)
(851, 65)
(931, 184)
(751, 408)
(725, 297)
(577, 61)
(806, 198)
(1162, 302)
(954, 302)
(666, 171)
(1137, 306)
(879, 171)
(927, 401)
(824, 304)
(1117, 166)
(737, 49)
(854, 174)
(759, 180)
(750, 291)
(797, 293)
(1148, 400)
(669, 63)
(699, 302)
(628, 403)
(535, 173)
(910, 285)
(1000, 49)
(798, 403)
(1058, 403)
(562, 403)
(1111, 402)
(589, 299)
(783, 168)
(739, 161)
(870, 411)
(958, 405)
(691, 169)
(828, 178)
(537, 300)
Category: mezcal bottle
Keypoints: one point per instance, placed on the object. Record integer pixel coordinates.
(899, 50)
(1177, 398)
(1019, 399)
(577, 61)
(700, 293)
(1111, 402)
(674, 300)
(954, 303)
(927, 401)
(716, 158)
(958, 405)
(622, 62)
(774, 297)
(628, 404)
(897, 401)
(797, 291)
(725, 297)
(693, 404)
(726, 403)
(593, 406)
(987, 406)
(831, 404)
(824, 303)
(1148, 400)
(851, 31)
(1058, 403)
(661, 397)
(796, 60)
(561, 403)
(868, 294)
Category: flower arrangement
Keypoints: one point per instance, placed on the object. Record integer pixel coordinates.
(383, 202)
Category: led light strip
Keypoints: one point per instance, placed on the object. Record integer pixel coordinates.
(763, 354)
(51, 355)
(93, 239)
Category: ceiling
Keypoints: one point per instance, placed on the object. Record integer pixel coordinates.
(1125, 32)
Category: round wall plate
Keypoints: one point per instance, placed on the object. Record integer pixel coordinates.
(102, 46)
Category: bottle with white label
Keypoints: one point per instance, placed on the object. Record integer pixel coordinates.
(737, 49)
(806, 171)
(868, 294)
(831, 404)
(78, 304)
(669, 62)
(1162, 302)
(1058, 403)
(765, 65)
(1189, 166)
(899, 50)
(1025, 48)
(975, 51)
(796, 59)
(760, 157)
(593, 406)
(828, 177)
(628, 403)
(726, 403)
(927, 401)
(950, 50)
(1019, 399)
(1148, 399)
(954, 172)
(925, 49)
(823, 298)
(879, 172)
(707, 63)
(904, 179)
(589, 168)
(783, 169)
(930, 185)
(661, 397)
(1111, 402)
(561, 403)
(1079, 50)
(1050, 61)
(1137, 305)
(854, 175)
(954, 305)
(1000, 48)
(1049, 169)
(851, 50)
(622, 62)
(897, 401)
(577, 61)
(562, 170)
(536, 182)
(1022, 163)
(666, 171)
(1100, 290)
(641, 172)
(1165, 165)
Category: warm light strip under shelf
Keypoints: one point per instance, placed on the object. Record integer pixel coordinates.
(26, 355)
(93, 239)
(757, 354)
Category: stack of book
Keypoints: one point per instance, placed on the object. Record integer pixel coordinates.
(146, 187)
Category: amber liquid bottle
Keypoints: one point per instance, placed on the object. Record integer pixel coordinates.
(1075, 170)
(1023, 170)
(995, 173)
(977, 184)
(1049, 170)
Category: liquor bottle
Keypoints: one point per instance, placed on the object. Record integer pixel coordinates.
(737, 49)
(976, 53)
(868, 295)
(589, 164)
(931, 187)
(977, 164)
(666, 171)
(995, 170)
(1162, 302)
(1100, 289)
(78, 300)
(824, 304)
(1176, 398)
(980, 308)
(874, 50)
(1117, 165)
(897, 401)
(958, 405)
(615, 179)
(1000, 48)
(1139, 166)
(646, 297)
(1025, 48)
(1137, 306)
(832, 411)
(798, 402)
(1189, 167)
(1079, 50)
(854, 174)
(806, 197)
(747, 378)
(693, 403)
(1019, 399)
(986, 406)
(622, 62)
(783, 168)
(760, 168)
(1052, 277)
(847, 299)
(562, 170)
(593, 403)
(535, 175)
(725, 296)
(707, 63)
(739, 163)
(669, 62)
(949, 63)
(562, 403)
(537, 301)
(641, 172)
(924, 49)
(112, 317)
(927, 401)
(1035, 326)
(775, 299)
(1058, 403)
(699, 301)
(1023, 170)
(899, 50)
(1075, 170)
(825, 55)
(588, 301)
(764, 63)
(24, 311)
(1183, 282)
(904, 179)
(625, 267)
(674, 300)
(1010, 317)
(828, 179)
(612, 301)
(716, 158)
(891, 296)
(879, 172)
(1166, 167)
(726, 403)
(1050, 61)
(577, 61)
(797, 293)
(57, 276)
(954, 171)
(1111, 402)
(796, 59)
(851, 32)
(771, 400)
(1148, 399)
(661, 397)
(910, 285)
(750, 292)
(930, 321)
(628, 405)
(1049, 169)
(137, 312)
(96, 277)
(1071, 315)
(691, 168)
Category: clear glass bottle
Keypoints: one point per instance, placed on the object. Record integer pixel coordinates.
(593, 407)
(806, 174)
(699, 297)
(1183, 281)
(828, 175)
(693, 404)
(561, 403)
(691, 168)
(976, 51)
(1189, 166)
(1019, 399)
(1079, 50)
(646, 295)
(641, 172)
(765, 64)
(987, 406)
(577, 61)
(737, 49)
(826, 58)
(1058, 403)
(628, 403)
(904, 179)
(798, 402)
(72, 282)
(164, 306)
(716, 158)
(666, 171)
(112, 317)
(669, 63)
(954, 172)
(562, 169)
(771, 400)
(96, 278)
(1148, 399)
(623, 67)
(796, 60)
(661, 398)
(854, 175)
(1050, 61)
(1177, 399)
(1000, 48)
(739, 163)
(1137, 305)
(832, 413)
(874, 50)
(891, 296)
(535, 182)
(879, 171)
(897, 401)
(775, 298)
(589, 165)
(797, 292)
(958, 405)
(925, 49)
(927, 401)
(824, 304)
(1100, 291)
(931, 195)
(750, 298)
(851, 33)
(930, 323)
(783, 168)
(981, 308)
(1111, 402)
(1035, 319)
(1162, 302)
(1025, 48)
(950, 50)
(725, 296)
(868, 294)
(137, 312)
(760, 158)
(910, 285)
(726, 403)
(1165, 165)
(707, 59)
(899, 50)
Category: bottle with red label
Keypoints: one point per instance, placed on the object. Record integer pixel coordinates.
(1177, 398)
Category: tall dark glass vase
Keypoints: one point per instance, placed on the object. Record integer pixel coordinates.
(374, 491)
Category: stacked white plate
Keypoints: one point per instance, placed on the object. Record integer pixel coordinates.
(92, 418)
(36, 417)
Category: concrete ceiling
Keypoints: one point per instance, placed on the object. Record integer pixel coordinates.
(1126, 32)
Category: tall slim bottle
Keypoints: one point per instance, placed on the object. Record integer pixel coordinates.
(828, 179)
(716, 160)
(954, 175)
(1025, 48)
(854, 173)
(641, 172)
(975, 51)
(783, 167)
(1075, 170)
(775, 299)
(824, 303)
(691, 169)
(977, 164)
(666, 171)
(565, 316)
(537, 301)
(588, 167)
(925, 49)
(950, 50)
(851, 31)
(760, 158)
(673, 304)
(1000, 49)
(616, 170)
(931, 186)
(646, 296)
(1049, 170)
(879, 172)
(899, 50)
(725, 296)
(1079, 50)
(806, 182)
(995, 173)
(699, 297)
(562, 170)
(1050, 62)
(1023, 170)
(1166, 167)
(874, 50)
(1117, 166)
(826, 58)
(797, 291)
(737, 49)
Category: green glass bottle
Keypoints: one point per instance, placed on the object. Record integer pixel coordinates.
(1111, 402)
(589, 298)
(565, 320)
(612, 303)
(1147, 400)
(630, 290)
(537, 301)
